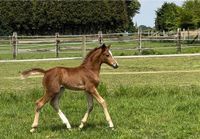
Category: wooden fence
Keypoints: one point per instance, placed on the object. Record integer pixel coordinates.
(83, 41)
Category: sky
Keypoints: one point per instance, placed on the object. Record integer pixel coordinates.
(147, 11)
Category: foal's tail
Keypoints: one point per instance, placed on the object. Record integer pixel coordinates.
(33, 71)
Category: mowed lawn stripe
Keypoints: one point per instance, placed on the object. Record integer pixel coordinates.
(118, 73)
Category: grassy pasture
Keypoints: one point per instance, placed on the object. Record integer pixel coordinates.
(143, 104)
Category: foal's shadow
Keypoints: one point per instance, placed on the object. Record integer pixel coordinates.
(58, 127)
(89, 126)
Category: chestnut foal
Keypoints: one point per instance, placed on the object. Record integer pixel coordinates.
(84, 77)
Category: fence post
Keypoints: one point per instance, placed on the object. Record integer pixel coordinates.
(57, 44)
(164, 33)
(156, 35)
(14, 44)
(140, 41)
(183, 34)
(188, 35)
(100, 37)
(83, 46)
(178, 40)
(10, 39)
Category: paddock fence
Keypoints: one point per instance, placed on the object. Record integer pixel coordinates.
(123, 44)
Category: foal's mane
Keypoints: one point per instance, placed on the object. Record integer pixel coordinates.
(89, 54)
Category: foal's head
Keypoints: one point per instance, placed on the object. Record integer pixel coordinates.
(107, 57)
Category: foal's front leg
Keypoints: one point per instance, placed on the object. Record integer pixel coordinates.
(89, 109)
(95, 94)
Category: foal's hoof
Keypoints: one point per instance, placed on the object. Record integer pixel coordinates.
(81, 126)
(80, 129)
(32, 130)
(69, 129)
(112, 128)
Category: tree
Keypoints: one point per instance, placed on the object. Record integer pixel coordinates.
(190, 17)
(145, 28)
(66, 17)
(132, 7)
(167, 17)
(170, 16)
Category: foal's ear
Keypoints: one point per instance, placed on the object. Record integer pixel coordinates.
(103, 45)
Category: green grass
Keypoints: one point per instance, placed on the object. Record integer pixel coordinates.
(138, 112)
(159, 105)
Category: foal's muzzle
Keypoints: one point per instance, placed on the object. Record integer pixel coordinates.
(115, 65)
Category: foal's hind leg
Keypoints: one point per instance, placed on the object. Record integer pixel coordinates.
(89, 109)
(55, 104)
(39, 104)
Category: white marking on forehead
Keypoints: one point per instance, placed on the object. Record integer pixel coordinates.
(110, 52)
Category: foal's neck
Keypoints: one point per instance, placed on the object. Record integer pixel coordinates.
(94, 65)
(92, 61)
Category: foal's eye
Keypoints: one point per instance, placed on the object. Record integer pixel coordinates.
(107, 55)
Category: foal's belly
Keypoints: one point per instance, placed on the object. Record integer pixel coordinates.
(73, 84)
(75, 87)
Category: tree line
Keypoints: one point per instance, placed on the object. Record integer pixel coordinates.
(170, 16)
(67, 17)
